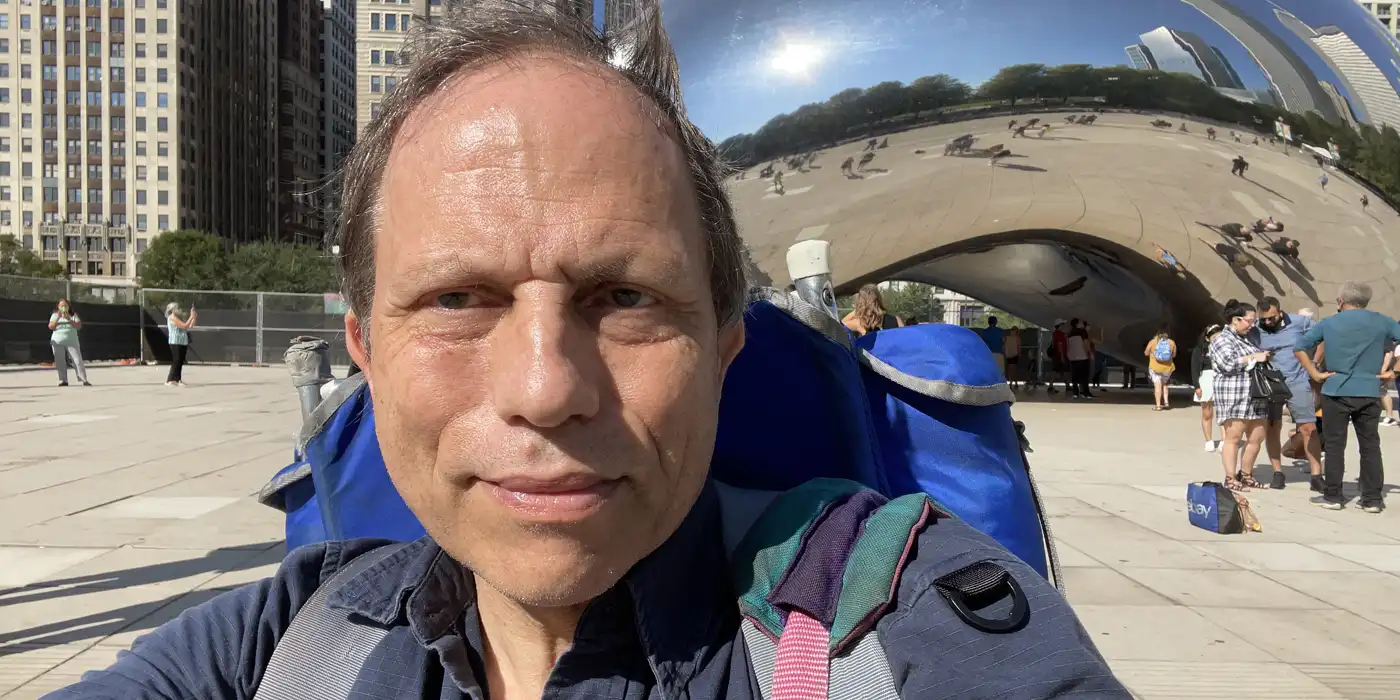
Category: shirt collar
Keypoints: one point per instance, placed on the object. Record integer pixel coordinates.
(681, 596)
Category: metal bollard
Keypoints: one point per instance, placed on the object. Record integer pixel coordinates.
(809, 266)
(310, 368)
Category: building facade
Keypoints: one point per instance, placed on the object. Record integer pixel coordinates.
(121, 120)
(300, 120)
(1366, 82)
(1387, 13)
(1294, 83)
(381, 30)
(1139, 57)
(617, 14)
(337, 100)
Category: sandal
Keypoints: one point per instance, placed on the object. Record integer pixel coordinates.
(1233, 485)
(1247, 481)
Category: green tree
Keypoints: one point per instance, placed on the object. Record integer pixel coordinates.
(911, 301)
(1016, 82)
(15, 259)
(185, 260)
(279, 267)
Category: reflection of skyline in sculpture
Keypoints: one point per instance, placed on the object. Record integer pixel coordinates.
(1295, 83)
(1341, 103)
(1178, 51)
(1139, 58)
(619, 13)
(1361, 77)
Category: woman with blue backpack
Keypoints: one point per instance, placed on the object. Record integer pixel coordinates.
(1161, 363)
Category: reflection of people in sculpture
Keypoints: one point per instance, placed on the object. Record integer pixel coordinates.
(997, 155)
(1267, 226)
(1237, 232)
(870, 146)
(1020, 130)
(1011, 125)
(1210, 133)
(1285, 247)
(1033, 122)
(1238, 166)
(865, 160)
(885, 143)
(1365, 201)
(1256, 140)
(846, 166)
(1182, 129)
(1070, 119)
(1232, 255)
(1168, 260)
(778, 182)
(1235, 136)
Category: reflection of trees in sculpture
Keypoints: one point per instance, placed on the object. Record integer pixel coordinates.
(856, 113)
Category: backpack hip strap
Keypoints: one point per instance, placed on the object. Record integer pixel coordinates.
(322, 648)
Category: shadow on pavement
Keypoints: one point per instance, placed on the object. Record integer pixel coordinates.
(141, 616)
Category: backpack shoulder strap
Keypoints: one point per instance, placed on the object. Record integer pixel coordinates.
(793, 654)
(322, 648)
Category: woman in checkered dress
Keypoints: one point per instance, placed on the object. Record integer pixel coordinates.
(1240, 416)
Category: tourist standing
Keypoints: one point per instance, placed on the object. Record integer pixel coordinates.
(1079, 364)
(177, 330)
(1278, 333)
(1203, 377)
(65, 324)
(1161, 363)
(1240, 415)
(869, 314)
(1356, 338)
(995, 338)
(1059, 357)
(1011, 350)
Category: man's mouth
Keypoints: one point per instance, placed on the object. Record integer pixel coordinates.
(557, 499)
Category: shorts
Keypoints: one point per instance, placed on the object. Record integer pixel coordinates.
(1163, 377)
(1013, 360)
(1300, 407)
(1207, 386)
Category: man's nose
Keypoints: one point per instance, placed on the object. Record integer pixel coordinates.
(546, 366)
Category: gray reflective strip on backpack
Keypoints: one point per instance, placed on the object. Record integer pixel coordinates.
(808, 315)
(863, 673)
(326, 409)
(962, 394)
(321, 652)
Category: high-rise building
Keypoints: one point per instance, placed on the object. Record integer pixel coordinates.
(617, 14)
(1362, 78)
(1139, 57)
(1387, 13)
(381, 28)
(1342, 104)
(337, 99)
(1177, 51)
(120, 120)
(300, 132)
(1293, 81)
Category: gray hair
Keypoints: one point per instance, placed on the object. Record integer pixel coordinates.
(467, 39)
(172, 307)
(1356, 294)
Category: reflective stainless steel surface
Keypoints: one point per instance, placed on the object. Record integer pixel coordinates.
(844, 121)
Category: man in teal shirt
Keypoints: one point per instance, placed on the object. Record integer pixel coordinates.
(1354, 344)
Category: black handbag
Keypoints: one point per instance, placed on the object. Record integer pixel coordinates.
(1267, 383)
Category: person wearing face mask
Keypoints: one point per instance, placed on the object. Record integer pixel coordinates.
(1240, 415)
(65, 324)
(1356, 340)
(1278, 332)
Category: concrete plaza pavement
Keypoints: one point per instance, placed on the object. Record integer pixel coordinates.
(124, 503)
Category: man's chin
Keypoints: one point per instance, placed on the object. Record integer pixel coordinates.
(553, 572)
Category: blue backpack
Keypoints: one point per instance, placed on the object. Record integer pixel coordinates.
(1162, 351)
(903, 411)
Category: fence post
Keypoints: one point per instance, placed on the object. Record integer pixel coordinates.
(68, 289)
(259, 332)
(141, 324)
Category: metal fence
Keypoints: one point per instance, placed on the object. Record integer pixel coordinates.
(128, 323)
(243, 327)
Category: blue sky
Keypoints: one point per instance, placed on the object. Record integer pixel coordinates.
(725, 47)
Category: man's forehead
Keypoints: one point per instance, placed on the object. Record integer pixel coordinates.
(532, 96)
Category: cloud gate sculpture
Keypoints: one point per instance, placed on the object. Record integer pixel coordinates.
(1059, 158)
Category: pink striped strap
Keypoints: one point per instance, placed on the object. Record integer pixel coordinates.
(800, 671)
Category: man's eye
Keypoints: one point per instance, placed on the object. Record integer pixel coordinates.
(456, 300)
(628, 298)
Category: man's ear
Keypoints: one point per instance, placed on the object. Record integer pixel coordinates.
(357, 342)
(731, 341)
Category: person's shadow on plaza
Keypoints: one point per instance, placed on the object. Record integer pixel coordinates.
(137, 617)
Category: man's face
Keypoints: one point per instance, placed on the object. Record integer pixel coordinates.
(545, 359)
(1270, 319)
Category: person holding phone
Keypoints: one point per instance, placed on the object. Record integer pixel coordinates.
(177, 330)
(1277, 333)
(65, 324)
